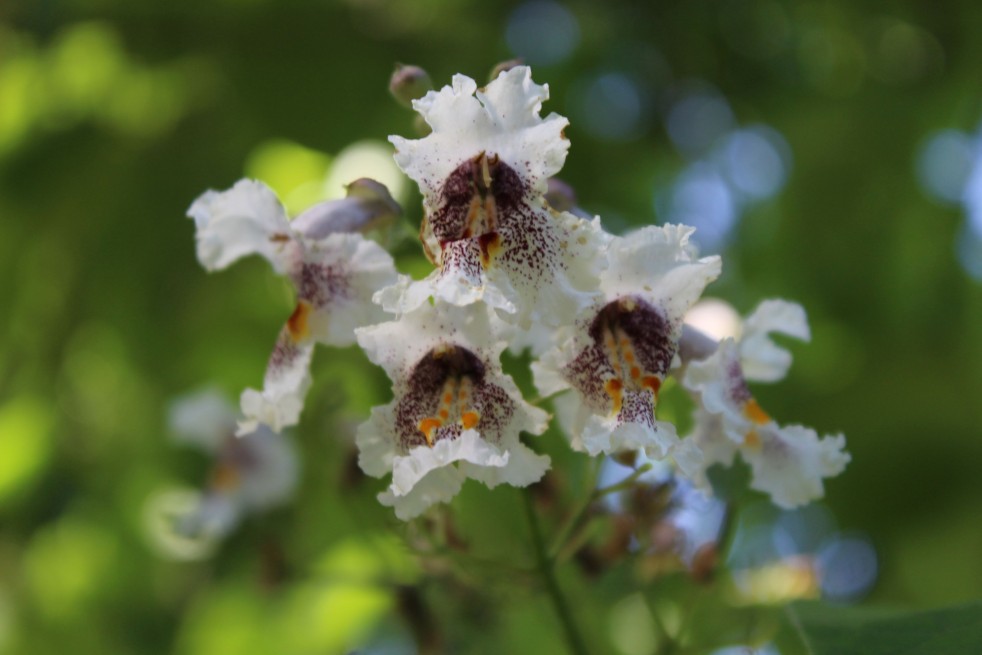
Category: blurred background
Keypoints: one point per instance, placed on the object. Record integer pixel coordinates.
(828, 150)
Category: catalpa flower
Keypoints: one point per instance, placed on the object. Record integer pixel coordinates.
(334, 271)
(788, 462)
(483, 174)
(618, 352)
(454, 414)
(251, 473)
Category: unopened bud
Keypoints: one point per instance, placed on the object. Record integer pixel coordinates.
(368, 206)
(504, 66)
(562, 197)
(409, 83)
(704, 563)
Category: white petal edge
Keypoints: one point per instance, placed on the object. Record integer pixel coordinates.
(762, 359)
(241, 221)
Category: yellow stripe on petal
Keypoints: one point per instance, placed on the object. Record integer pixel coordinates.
(753, 412)
(298, 324)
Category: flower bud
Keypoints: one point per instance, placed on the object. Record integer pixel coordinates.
(409, 83)
(504, 66)
(368, 206)
(562, 197)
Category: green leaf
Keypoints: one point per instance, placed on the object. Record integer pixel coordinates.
(821, 629)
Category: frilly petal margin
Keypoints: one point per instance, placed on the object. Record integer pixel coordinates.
(761, 358)
(504, 118)
(244, 220)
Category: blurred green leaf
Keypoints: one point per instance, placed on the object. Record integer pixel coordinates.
(25, 442)
(822, 629)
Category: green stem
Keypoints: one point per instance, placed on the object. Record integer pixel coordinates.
(547, 571)
(581, 514)
(624, 484)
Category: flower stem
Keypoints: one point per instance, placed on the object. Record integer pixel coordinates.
(546, 567)
(624, 484)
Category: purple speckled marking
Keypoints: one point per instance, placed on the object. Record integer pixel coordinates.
(322, 284)
(736, 385)
(652, 337)
(285, 352)
(637, 407)
(472, 212)
(426, 386)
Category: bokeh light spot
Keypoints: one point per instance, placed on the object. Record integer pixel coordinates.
(702, 198)
(715, 318)
(26, 425)
(847, 567)
(757, 160)
(542, 32)
(697, 120)
(944, 164)
(608, 106)
(295, 172)
(364, 159)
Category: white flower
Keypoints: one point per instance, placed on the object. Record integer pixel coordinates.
(334, 274)
(454, 415)
(251, 473)
(483, 173)
(788, 462)
(620, 349)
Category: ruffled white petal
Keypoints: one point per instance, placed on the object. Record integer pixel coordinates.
(547, 275)
(601, 434)
(689, 462)
(285, 387)
(440, 486)
(761, 358)
(660, 264)
(244, 220)
(376, 446)
(469, 446)
(503, 120)
(718, 382)
(398, 345)
(524, 467)
(791, 461)
(537, 340)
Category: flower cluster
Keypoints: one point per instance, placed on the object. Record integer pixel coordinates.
(603, 316)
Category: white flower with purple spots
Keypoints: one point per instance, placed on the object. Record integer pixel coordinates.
(617, 354)
(334, 273)
(788, 462)
(454, 414)
(483, 172)
(251, 473)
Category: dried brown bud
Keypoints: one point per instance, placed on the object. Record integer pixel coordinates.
(503, 67)
(622, 457)
(409, 83)
(704, 563)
